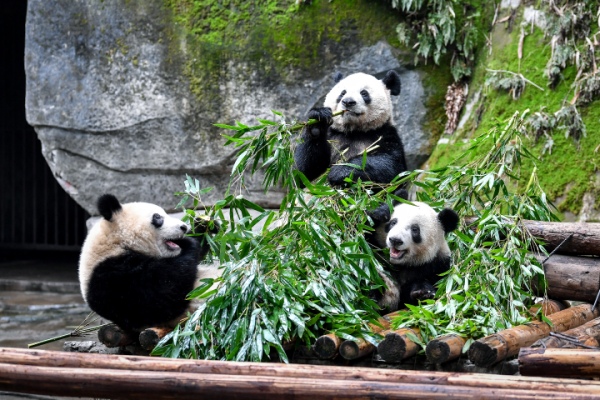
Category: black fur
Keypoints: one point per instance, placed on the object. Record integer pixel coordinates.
(392, 82)
(136, 291)
(449, 219)
(108, 205)
(316, 154)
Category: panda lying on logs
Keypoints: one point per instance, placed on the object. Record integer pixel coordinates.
(415, 236)
(137, 265)
(366, 123)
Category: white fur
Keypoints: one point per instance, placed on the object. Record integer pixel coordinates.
(129, 229)
(433, 242)
(362, 117)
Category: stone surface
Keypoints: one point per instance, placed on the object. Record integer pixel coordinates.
(113, 109)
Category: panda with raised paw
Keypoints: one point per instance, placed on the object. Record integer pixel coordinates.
(366, 122)
(137, 265)
(418, 251)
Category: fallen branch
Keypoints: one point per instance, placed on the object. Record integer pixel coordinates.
(501, 345)
(563, 363)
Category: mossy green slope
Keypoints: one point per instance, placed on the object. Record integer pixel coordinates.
(569, 170)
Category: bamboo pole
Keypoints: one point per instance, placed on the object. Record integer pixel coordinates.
(134, 377)
(444, 348)
(567, 363)
(501, 345)
(571, 278)
(396, 346)
(586, 335)
(112, 336)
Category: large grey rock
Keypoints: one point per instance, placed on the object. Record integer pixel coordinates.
(108, 98)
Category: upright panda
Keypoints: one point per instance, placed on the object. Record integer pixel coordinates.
(366, 123)
(137, 266)
(418, 252)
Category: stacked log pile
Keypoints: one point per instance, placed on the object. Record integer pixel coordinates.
(132, 377)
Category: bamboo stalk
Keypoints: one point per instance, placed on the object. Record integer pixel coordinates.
(586, 335)
(444, 348)
(133, 377)
(396, 346)
(568, 363)
(501, 345)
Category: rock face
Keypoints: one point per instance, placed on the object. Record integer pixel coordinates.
(111, 103)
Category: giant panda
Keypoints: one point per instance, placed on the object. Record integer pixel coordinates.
(366, 122)
(414, 233)
(137, 265)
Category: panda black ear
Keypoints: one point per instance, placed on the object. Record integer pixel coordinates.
(108, 205)
(449, 219)
(392, 82)
(402, 193)
(337, 77)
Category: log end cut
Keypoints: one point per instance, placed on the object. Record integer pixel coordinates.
(392, 348)
(326, 346)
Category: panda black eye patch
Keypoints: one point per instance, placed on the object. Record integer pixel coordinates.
(157, 220)
(415, 231)
(366, 96)
(341, 96)
(390, 224)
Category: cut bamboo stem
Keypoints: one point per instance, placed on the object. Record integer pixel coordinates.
(444, 348)
(113, 336)
(396, 346)
(563, 363)
(587, 335)
(499, 346)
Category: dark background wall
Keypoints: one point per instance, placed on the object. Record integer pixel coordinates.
(36, 215)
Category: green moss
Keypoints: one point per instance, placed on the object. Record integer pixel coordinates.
(569, 171)
(272, 37)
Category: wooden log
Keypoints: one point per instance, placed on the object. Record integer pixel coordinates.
(353, 349)
(548, 307)
(586, 335)
(570, 278)
(150, 337)
(569, 363)
(501, 345)
(113, 336)
(133, 377)
(444, 348)
(327, 346)
(396, 346)
(585, 239)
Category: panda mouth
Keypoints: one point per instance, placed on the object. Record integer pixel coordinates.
(397, 254)
(171, 245)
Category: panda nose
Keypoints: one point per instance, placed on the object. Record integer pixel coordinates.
(349, 102)
(184, 228)
(396, 242)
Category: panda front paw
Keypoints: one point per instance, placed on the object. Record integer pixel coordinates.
(203, 224)
(324, 118)
(424, 291)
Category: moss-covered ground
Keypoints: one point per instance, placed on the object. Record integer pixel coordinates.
(570, 170)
